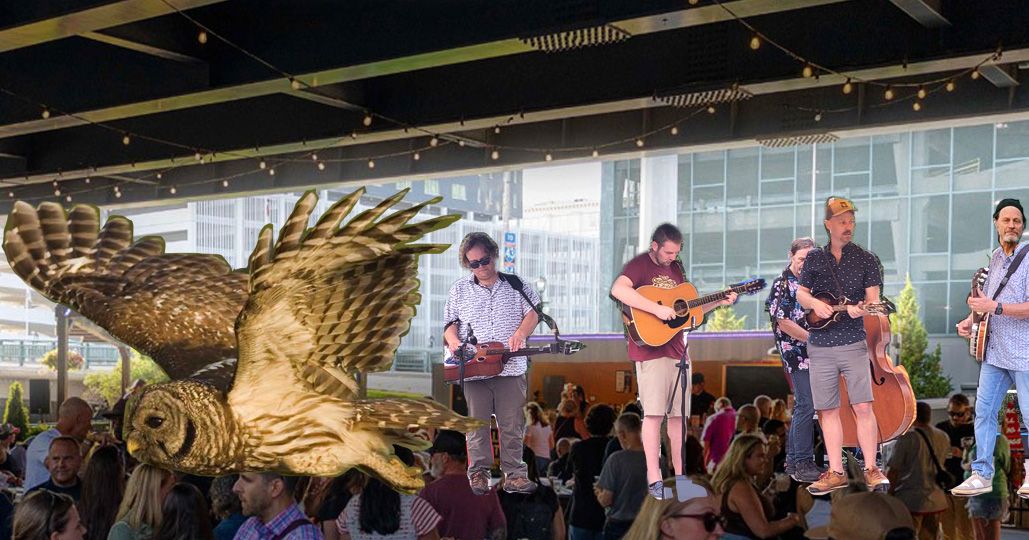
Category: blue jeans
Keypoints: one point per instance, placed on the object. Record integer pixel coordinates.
(800, 445)
(994, 383)
(578, 533)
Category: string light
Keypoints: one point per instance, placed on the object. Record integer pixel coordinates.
(88, 179)
(755, 43)
(46, 113)
(173, 191)
(367, 119)
(434, 141)
(321, 166)
(371, 163)
(314, 157)
(548, 157)
(675, 130)
(225, 183)
(921, 92)
(596, 153)
(57, 192)
(295, 84)
(461, 143)
(126, 140)
(639, 143)
(353, 135)
(711, 109)
(10, 194)
(198, 156)
(271, 172)
(848, 87)
(416, 156)
(495, 154)
(950, 86)
(496, 130)
(202, 37)
(117, 194)
(888, 94)
(159, 176)
(818, 116)
(975, 74)
(262, 165)
(68, 198)
(808, 71)
(917, 106)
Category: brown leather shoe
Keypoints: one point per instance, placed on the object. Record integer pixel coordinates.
(875, 478)
(827, 483)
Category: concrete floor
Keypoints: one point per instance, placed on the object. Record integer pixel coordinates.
(1014, 534)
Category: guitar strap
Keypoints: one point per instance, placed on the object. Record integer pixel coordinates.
(516, 284)
(832, 270)
(1011, 270)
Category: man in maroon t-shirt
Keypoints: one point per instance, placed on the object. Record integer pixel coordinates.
(656, 370)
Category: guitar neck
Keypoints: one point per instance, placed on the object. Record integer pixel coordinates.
(713, 297)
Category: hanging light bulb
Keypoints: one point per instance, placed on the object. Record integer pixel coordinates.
(639, 143)
(755, 43)
(173, 191)
(921, 92)
(87, 180)
(68, 198)
(975, 74)
(495, 154)
(202, 37)
(818, 116)
(548, 157)
(951, 86)
(10, 194)
(496, 130)
(126, 140)
(711, 109)
(434, 141)
(117, 194)
(848, 87)
(353, 135)
(46, 113)
(198, 156)
(159, 176)
(225, 183)
(596, 153)
(367, 119)
(55, 183)
(371, 163)
(321, 166)
(808, 71)
(416, 156)
(262, 165)
(461, 143)
(314, 157)
(295, 84)
(675, 130)
(888, 94)
(271, 172)
(917, 106)
(57, 192)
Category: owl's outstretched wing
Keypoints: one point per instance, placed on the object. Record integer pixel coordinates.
(332, 300)
(179, 309)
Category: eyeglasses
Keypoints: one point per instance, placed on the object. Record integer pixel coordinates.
(481, 262)
(711, 520)
(956, 414)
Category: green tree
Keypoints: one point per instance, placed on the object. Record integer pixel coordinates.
(75, 360)
(108, 384)
(16, 413)
(724, 319)
(927, 378)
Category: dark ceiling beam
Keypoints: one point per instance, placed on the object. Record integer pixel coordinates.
(685, 18)
(926, 12)
(141, 48)
(92, 19)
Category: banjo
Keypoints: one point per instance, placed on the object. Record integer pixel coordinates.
(980, 321)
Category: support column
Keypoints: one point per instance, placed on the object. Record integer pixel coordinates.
(61, 316)
(659, 194)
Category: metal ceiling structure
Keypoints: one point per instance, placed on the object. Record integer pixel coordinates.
(280, 81)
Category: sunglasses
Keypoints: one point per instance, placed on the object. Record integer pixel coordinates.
(481, 262)
(955, 414)
(711, 520)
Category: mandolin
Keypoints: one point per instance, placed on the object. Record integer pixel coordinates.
(487, 359)
(646, 329)
(839, 307)
(980, 321)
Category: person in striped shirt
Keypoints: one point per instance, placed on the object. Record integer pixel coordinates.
(268, 499)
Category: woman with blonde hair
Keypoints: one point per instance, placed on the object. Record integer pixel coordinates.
(747, 513)
(538, 434)
(44, 515)
(695, 518)
(779, 411)
(141, 509)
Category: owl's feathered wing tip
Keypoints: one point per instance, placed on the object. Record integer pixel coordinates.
(400, 413)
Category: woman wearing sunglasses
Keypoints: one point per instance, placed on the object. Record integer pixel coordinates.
(45, 515)
(695, 518)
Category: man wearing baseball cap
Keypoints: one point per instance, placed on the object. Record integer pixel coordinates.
(465, 514)
(841, 269)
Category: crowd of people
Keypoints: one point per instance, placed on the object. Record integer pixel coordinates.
(587, 460)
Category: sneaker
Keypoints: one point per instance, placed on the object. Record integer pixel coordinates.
(806, 472)
(874, 477)
(828, 482)
(976, 485)
(479, 482)
(519, 484)
(658, 491)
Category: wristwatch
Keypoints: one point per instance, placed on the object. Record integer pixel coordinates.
(999, 310)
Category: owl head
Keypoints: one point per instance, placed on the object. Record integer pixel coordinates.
(182, 425)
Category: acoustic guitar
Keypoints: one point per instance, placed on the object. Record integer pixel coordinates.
(839, 307)
(646, 329)
(980, 321)
(487, 359)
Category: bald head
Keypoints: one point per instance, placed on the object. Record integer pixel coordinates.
(74, 418)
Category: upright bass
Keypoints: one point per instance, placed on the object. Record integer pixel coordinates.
(894, 403)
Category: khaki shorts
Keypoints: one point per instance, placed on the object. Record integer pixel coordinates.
(828, 363)
(656, 380)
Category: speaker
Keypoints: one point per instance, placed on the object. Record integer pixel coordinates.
(39, 396)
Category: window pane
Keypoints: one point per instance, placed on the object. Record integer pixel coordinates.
(973, 157)
(890, 164)
(685, 182)
(778, 162)
(708, 277)
(852, 186)
(823, 168)
(929, 226)
(708, 168)
(1012, 174)
(1013, 140)
(930, 147)
(932, 299)
(776, 232)
(958, 308)
(742, 180)
(889, 236)
(972, 231)
(708, 198)
(741, 241)
(931, 180)
(707, 238)
(851, 155)
(777, 192)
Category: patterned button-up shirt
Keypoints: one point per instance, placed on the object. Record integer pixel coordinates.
(782, 304)
(494, 313)
(856, 270)
(253, 529)
(1008, 347)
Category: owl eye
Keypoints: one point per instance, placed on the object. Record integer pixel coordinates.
(154, 422)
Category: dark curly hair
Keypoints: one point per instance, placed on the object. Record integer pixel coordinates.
(600, 420)
(480, 239)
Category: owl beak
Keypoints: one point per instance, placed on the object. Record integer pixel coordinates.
(133, 445)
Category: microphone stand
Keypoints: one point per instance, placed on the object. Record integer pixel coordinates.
(680, 380)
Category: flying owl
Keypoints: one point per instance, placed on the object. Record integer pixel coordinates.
(262, 360)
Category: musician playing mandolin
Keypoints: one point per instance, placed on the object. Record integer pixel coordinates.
(656, 370)
(842, 269)
(496, 311)
(1006, 359)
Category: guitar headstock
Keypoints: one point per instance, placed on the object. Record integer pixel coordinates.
(749, 286)
(885, 307)
(979, 279)
(568, 347)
